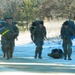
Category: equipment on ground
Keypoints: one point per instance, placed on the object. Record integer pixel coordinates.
(56, 53)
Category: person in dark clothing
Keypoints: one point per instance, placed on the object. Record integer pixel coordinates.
(8, 37)
(37, 36)
(66, 34)
(3, 41)
(14, 36)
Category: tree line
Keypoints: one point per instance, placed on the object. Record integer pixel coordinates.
(26, 11)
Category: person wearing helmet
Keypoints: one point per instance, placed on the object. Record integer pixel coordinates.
(37, 36)
(66, 34)
(8, 36)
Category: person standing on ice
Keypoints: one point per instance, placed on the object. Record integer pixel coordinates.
(66, 34)
(37, 35)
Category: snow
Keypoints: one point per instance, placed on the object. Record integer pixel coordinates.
(24, 55)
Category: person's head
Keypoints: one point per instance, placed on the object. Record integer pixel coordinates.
(65, 24)
(10, 20)
(41, 24)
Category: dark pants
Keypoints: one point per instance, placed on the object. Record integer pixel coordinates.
(38, 43)
(7, 47)
(67, 44)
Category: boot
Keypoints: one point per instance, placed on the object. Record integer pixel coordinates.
(35, 55)
(39, 56)
(8, 55)
(11, 55)
(69, 58)
(4, 55)
(65, 57)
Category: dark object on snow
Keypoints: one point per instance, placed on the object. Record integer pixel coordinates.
(56, 53)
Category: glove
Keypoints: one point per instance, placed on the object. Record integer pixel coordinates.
(14, 35)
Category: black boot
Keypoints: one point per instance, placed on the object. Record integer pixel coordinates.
(39, 56)
(69, 57)
(11, 55)
(35, 55)
(65, 56)
(8, 55)
(4, 55)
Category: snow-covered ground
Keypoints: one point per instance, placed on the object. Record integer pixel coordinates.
(23, 61)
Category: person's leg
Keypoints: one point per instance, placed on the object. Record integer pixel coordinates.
(3, 47)
(36, 52)
(8, 50)
(3, 50)
(38, 43)
(65, 50)
(40, 52)
(40, 48)
(11, 48)
(8, 53)
(69, 51)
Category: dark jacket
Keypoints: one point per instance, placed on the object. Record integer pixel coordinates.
(67, 32)
(38, 33)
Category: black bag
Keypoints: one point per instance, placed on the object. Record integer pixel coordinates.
(56, 53)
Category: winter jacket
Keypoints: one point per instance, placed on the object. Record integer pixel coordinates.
(67, 32)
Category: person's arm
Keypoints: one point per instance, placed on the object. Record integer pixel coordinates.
(44, 32)
(62, 33)
(16, 32)
(33, 34)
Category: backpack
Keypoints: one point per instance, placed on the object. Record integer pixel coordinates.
(35, 24)
(56, 53)
(70, 24)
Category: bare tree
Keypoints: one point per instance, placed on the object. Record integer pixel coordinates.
(57, 8)
(10, 7)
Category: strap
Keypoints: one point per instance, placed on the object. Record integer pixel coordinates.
(5, 32)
